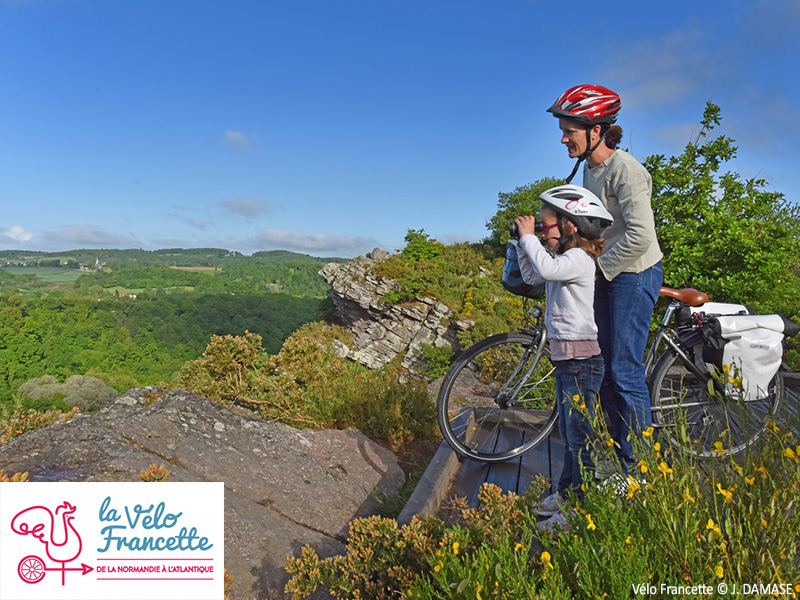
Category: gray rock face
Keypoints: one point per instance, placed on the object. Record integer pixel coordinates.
(382, 331)
(284, 488)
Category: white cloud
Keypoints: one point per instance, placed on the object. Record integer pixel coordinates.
(236, 139)
(82, 235)
(247, 207)
(17, 233)
(316, 244)
(657, 71)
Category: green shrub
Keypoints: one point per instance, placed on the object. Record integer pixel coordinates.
(87, 394)
(436, 360)
(674, 523)
(308, 384)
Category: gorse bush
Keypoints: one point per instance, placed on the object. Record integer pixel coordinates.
(14, 421)
(672, 524)
(309, 384)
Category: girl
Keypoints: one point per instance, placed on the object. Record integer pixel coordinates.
(573, 220)
(630, 273)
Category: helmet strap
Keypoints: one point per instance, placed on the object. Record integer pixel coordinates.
(584, 156)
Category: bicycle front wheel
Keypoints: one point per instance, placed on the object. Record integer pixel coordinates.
(715, 423)
(498, 398)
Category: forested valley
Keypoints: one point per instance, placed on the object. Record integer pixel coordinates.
(134, 317)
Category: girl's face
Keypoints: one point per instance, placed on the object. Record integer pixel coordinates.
(550, 237)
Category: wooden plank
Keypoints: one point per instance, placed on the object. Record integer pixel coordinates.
(535, 461)
(471, 476)
(505, 475)
(556, 459)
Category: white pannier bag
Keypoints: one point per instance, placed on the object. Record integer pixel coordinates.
(747, 351)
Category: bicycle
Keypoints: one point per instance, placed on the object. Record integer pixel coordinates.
(497, 400)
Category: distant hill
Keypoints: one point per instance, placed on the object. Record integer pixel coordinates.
(186, 257)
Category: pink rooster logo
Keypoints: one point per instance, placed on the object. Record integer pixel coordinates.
(62, 542)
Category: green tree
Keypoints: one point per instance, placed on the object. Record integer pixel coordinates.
(510, 205)
(720, 233)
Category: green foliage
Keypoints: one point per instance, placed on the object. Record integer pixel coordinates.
(674, 524)
(435, 360)
(510, 205)
(466, 278)
(420, 246)
(308, 384)
(87, 394)
(726, 236)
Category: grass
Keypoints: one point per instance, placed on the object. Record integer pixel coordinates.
(47, 274)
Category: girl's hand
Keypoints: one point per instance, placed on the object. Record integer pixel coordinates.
(526, 224)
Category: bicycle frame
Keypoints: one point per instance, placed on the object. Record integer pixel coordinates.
(538, 349)
(665, 334)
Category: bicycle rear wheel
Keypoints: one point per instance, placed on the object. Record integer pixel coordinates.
(677, 394)
(498, 398)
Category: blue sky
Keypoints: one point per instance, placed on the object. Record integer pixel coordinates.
(331, 127)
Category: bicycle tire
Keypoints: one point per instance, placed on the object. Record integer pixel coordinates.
(709, 418)
(472, 414)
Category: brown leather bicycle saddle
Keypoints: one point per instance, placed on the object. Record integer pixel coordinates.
(688, 296)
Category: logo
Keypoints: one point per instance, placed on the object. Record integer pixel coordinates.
(111, 541)
(56, 531)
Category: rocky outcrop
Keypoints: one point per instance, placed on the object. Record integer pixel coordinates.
(284, 488)
(382, 331)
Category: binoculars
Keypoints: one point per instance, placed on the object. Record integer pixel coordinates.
(513, 228)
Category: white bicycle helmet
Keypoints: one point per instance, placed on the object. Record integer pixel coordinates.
(581, 207)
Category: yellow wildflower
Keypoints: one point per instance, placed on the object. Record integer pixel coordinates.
(518, 547)
(764, 523)
(687, 497)
(719, 571)
(643, 466)
(726, 369)
(719, 448)
(590, 524)
(438, 567)
(648, 432)
(544, 558)
(711, 526)
(478, 591)
(772, 426)
(633, 486)
(750, 480)
(664, 468)
(789, 453)
(657, 448)
(727, 494)
(610, 443)
(455, 547)
(628, 541)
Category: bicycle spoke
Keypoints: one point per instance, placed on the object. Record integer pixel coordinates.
(678, 396)
(509, 387)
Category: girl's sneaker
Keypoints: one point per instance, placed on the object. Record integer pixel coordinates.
(557, 521)
(549, 506)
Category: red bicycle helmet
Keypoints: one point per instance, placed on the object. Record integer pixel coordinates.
(588, 104)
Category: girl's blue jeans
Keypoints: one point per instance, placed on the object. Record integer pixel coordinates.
(623, 308)
(577, 382)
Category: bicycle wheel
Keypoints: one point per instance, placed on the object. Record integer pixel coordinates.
(677, 394)
(498, 398)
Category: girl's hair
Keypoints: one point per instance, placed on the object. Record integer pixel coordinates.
(612, 135)
(592, 247)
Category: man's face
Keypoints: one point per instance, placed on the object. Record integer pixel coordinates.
(573, 136)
